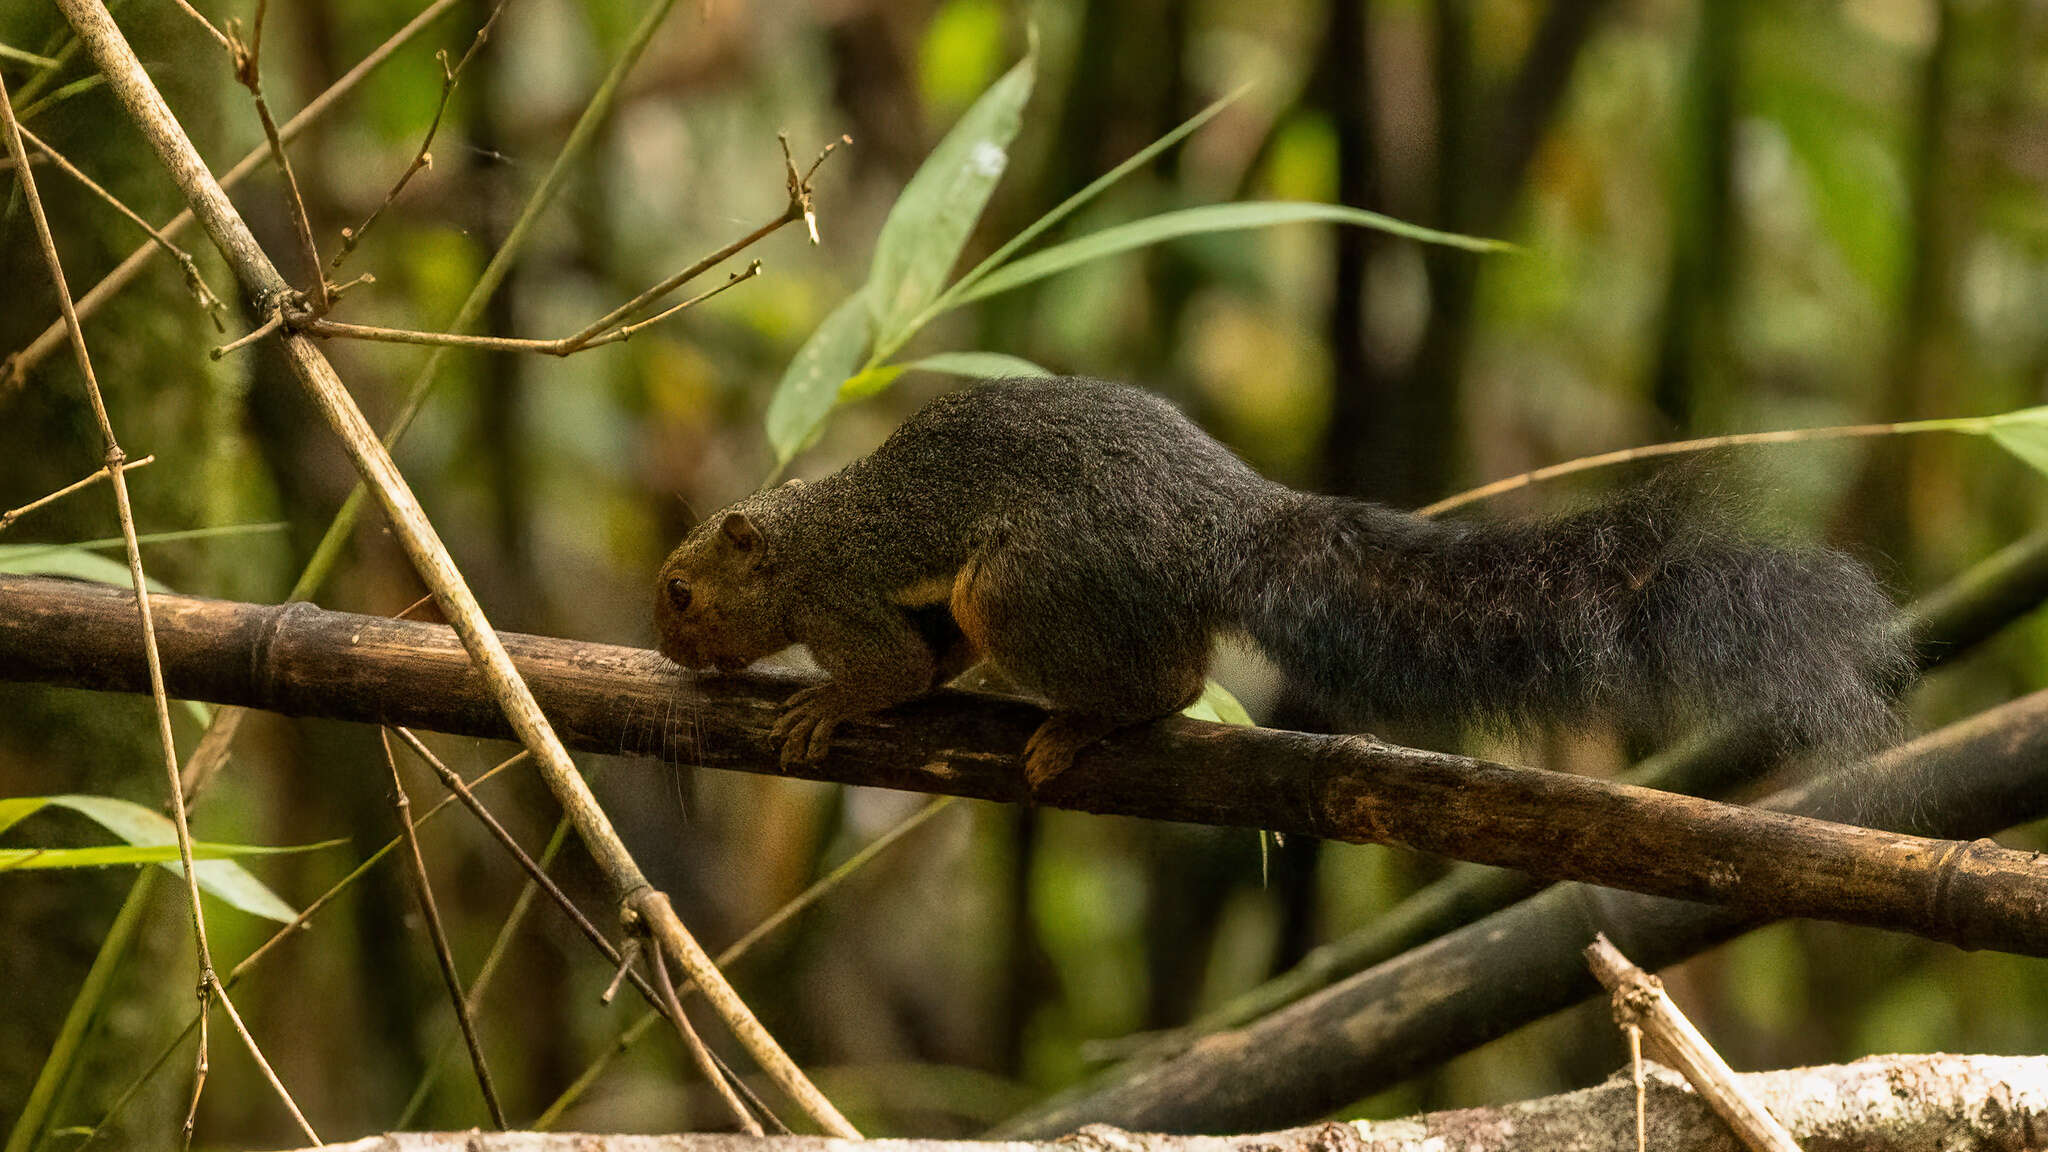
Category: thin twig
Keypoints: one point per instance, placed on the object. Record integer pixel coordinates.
(265, 949)
(8, 517)
(628, 956)
(14, 368)
(798, 208)
(424, 157)
(10, 52)
(269, 1073)
(800, 186)
(1640, 1002)
(501, 946)
(200, 1063)
(115, 459)
(424, 888)
(738, 948)
(626, 331)
(77, 87)
(211, 29)
(275, 322)
(459, 791)
(1671, 448)
(195, 283)
(1635, 1064)
(657, 995)
(248, 72)
(46, 77)
(566, 346)
(694, 1044)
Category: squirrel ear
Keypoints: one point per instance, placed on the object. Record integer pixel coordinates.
(740, 530)
(793, 482)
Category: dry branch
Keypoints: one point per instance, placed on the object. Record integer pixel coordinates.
(266, 291)
(444, 956)
(1641, 1006)
(194, 282)
(8, 517)
(14, 368)
(303, 660)
(1956, 1103)
(1519, 965)
(116, 460)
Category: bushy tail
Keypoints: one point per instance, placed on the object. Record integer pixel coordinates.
(1643, 610)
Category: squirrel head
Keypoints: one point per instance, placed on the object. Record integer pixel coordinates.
(714, 603)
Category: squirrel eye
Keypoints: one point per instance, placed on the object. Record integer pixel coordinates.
(679, 595)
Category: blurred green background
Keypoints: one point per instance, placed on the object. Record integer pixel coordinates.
(1734, 217)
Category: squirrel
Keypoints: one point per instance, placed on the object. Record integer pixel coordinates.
(1088, 540)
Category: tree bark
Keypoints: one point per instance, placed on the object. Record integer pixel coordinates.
(1955, 1103)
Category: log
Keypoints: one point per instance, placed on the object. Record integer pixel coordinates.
(1879, 1104)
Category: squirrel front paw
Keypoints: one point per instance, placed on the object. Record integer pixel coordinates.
(803, 733)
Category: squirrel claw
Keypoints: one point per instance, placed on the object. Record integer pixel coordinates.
(1052, 748)
(803, 733)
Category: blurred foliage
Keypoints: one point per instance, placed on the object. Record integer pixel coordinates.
(1732, 217)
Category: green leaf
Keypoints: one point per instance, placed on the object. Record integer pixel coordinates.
(213, 533)
(810, 385)
(26, 859)
(981, 365)
(13, 810)
(1095, 188)
(2024, 434)
(1197, 221)
(68, 560)
(81, 560)
(932, 218)
(145, 828)
(1218, 706)
(869, 383)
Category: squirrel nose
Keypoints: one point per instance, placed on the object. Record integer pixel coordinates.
(678, 653)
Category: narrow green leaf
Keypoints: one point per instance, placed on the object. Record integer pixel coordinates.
(147, 828)
(2024, 434)
(1095, 188)
(810, 385)
(1218, 706)
(70, 561)
(24, 859)
(982, 365)
(869, 383)
(1197, 221)
(112, 542)
(932, 218)
(15, 809)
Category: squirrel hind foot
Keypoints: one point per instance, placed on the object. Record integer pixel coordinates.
(1051, 749)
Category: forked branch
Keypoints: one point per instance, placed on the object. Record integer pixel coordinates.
(424, 157)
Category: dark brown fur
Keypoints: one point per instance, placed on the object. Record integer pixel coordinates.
(1088, 541)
